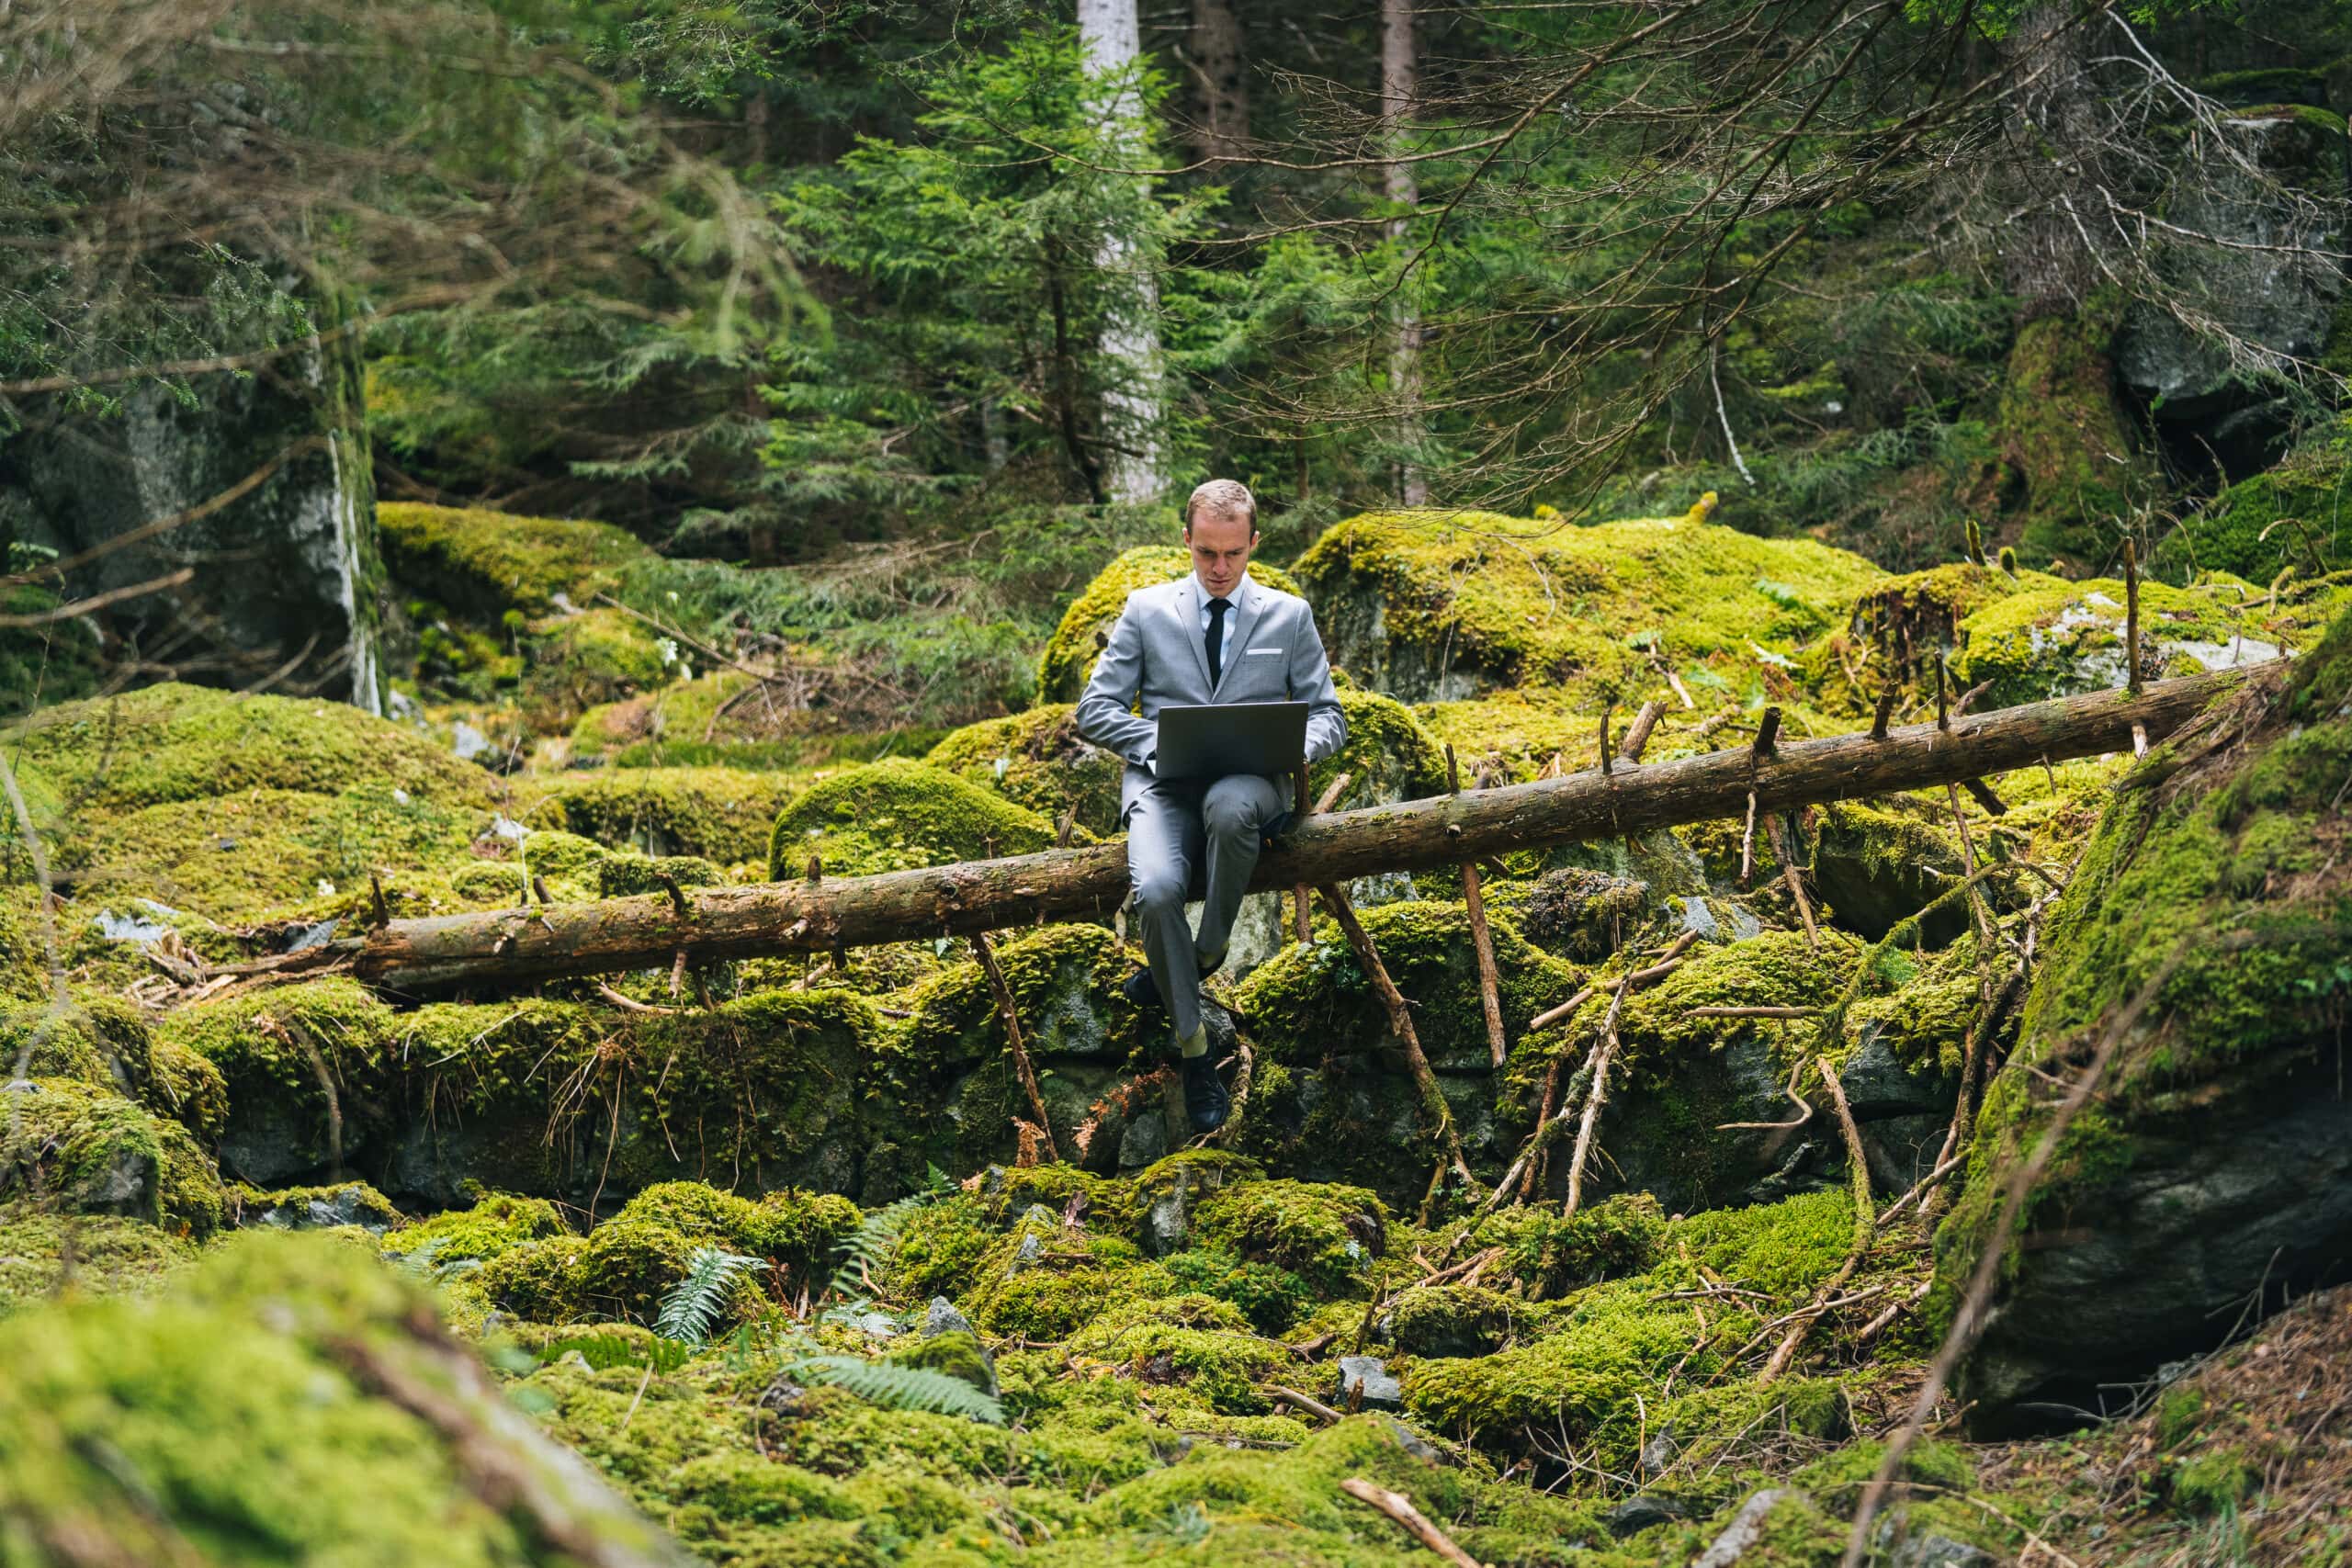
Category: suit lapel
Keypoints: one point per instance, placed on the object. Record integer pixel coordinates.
(1237, 624)
(1188, 625)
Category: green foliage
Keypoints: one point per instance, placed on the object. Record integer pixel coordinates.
(901, 1388)
(694, 1303)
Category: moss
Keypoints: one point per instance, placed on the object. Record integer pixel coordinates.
(2217, 1479)
(232, 1422)
(1549, 1254)
(1037, 761)
(1085, 627)
(237, 858)
(1583, 916)
(106, 1041)
(1196, 1343)
(2056, 641)
(2067, 456)
(98, 1152)
(2226, 880)
(495, 1225)
(720, 814)
(618, 877)
(1389, 753)
(1329, 1235)
(339, 1205)
(956, 1354)
(171, 743)
(270, 1048)
(2298, 504)
(1433, 605)
(45, 1254)
(893, 816)
(1454, 1320)
(483, 563)
(572, 663)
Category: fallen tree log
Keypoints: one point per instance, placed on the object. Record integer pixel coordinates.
(546, 942)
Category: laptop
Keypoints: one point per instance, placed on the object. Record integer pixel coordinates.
(1218, 738)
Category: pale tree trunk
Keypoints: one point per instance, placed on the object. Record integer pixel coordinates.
(1111, 37)
(1218, 67)
(1397, 86)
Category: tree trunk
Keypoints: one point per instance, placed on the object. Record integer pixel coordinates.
(1221, 72)
(548, 940)
(1399, 61)
(1111, 35)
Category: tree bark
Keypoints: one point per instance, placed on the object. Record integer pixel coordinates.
(1398, 78)
(1221, 72)
(1111, 34)
(544, 942)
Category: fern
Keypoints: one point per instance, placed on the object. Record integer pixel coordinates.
(694, 1302)
(901, 1388)
(867, 1248)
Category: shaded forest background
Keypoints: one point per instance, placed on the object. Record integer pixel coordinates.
(942, 306)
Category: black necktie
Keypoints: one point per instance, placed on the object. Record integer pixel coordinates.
(1217, 607)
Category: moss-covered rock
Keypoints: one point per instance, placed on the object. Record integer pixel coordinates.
(307, 1072)
(482, 563)
(275, 1407)
(106, 1041)
(46, 1254)
(1443, 604)
(893, 815)
(1085, 628)
(2070, 471)
(1037, 759)
(2058, 640)
(1329, 1235)
(572, 663)
(2295, 514)
(95, 1152)
(722, 814)
(2214, 1160)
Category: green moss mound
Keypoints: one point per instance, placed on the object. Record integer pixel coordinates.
(170, 743)
(897, 815)
(107, 1042)
(572, 663)
(483, 563)
(95, 1152)
(237, 1420)
(1085, 628)
(724, 814)
(1036, 759)
(1442, 604)
(47, 1254)
(2295, 516)
(2069, 466)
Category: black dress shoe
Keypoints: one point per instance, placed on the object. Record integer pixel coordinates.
(1206, 1100)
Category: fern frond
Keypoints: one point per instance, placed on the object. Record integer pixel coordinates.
(901, 1388)
(868, 1247)
(694, 1303)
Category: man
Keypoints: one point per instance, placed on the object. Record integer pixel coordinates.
(1214, 636)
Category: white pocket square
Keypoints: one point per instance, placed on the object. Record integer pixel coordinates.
(1265, 650)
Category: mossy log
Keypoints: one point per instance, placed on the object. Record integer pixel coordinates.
(544, 942)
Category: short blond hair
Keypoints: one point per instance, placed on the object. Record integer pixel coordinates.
(1229, 496)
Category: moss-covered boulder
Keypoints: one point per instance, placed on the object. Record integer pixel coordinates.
(2215, 1162)
(572, 663)
(2069, 474)
(2057, 641)
(1037, 759)
(2296, 514)
(290, 1399)
(107, 1042)
(95, 1152)
(896, 814)
(46, 1254)
(724, 814)
(1085, 628)
(1445, 604)
(482, 563)
(307, 1069)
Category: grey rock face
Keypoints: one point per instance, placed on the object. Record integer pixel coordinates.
(1643, 1512)
(941, 1317)
(1381, 1392)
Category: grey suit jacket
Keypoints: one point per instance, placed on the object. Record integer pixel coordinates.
(1157, 655)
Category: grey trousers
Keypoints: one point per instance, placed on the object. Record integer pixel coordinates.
(1175, 826)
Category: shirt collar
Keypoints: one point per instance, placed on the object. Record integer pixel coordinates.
(1201, 590)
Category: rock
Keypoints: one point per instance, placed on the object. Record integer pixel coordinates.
(288, 570)
(353, 1203)
(2215, 1167)
(1659, 1453)
(946, 1343)
(1747, 1527)
(1933, 1551)
(941, 1317)
(1381, 1392)
(1026, 1257)
(1641, 1512)
(1413, 1443)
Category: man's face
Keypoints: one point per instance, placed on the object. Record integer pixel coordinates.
(1221, 543)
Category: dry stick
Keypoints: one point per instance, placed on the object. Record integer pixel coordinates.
(1865, 1226)
(1944, 716)
(1299, 926)
(1978, 913)
(1969, 1321)
(1400, 1021)
(1607, 712)
(1788, 876)
(1747, 842)
(1752, 1012)
(1597, 1095)
(1021, 1065)
(1666, 964)
(1397, 1506)
(1482, 941)
(1314, 1407)
(1920, 1188)
(630, 1004)
(1885, 710)
(1329, 797)
(1637, 734)
(1804, 1111)
(2131, 617)
(1982, 792)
